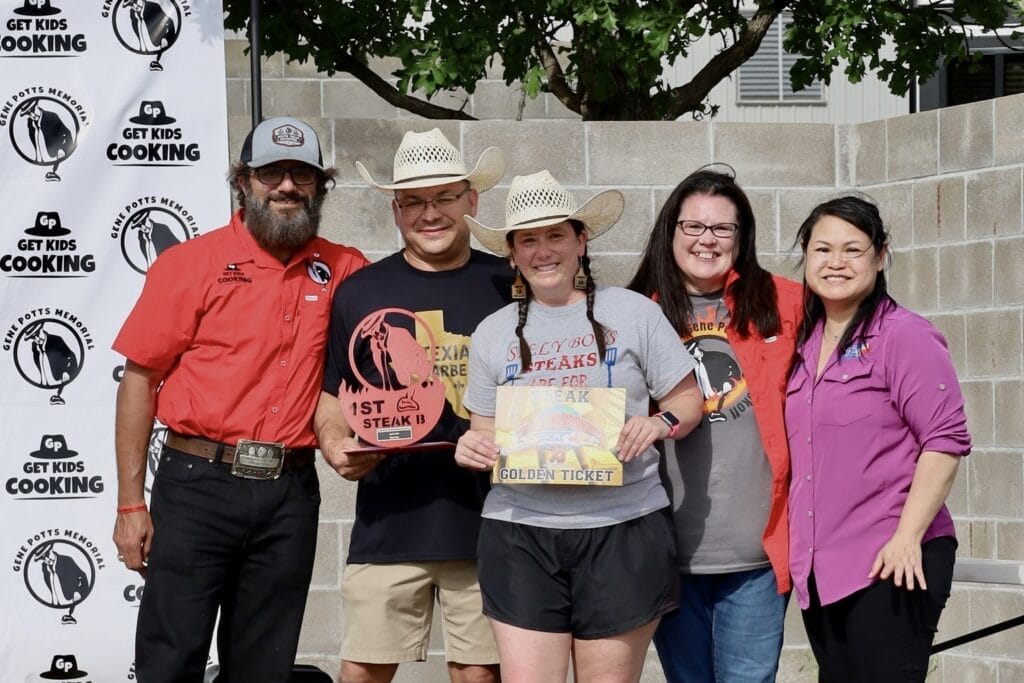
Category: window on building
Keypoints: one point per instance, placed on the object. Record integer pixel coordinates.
(995, 75)
(764, 78)
(999, 71)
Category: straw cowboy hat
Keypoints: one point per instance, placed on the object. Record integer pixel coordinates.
(538, 200)
(428, 159)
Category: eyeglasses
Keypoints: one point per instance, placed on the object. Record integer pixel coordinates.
(696, 229)
(274, 175)
(845, 254)
(416, 207)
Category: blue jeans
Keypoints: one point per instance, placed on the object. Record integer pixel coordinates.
(728, 629)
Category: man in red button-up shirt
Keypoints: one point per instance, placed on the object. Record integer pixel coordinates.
(225, 344)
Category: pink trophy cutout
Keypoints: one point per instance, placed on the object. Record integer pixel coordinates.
(399, 414)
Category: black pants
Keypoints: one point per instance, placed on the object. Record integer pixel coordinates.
(242, 546)
(882, 633)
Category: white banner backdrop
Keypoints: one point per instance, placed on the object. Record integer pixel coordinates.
(113, 147)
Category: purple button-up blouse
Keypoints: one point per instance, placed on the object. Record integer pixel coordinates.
(855, 434)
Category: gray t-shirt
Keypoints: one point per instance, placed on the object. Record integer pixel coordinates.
(718, 476)
(644, 357)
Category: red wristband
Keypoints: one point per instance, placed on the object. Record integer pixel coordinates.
(130, 509)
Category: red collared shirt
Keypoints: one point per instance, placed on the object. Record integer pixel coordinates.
(239, 334)
(855, 434)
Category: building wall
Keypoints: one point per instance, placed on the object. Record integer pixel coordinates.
(305, 92)
(843, 102)
(950, 187)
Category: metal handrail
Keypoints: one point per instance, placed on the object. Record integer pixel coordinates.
(970, 570)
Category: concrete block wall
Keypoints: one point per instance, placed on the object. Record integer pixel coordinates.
(950, 187)
(298, 89)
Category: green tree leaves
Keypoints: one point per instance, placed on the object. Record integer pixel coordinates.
(605, 59)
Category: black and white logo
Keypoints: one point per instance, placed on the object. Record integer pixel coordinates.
(49, 347)
(156, 446)
(37, 29)
(149, 226)
(44, 125)
(319, 272)
(59, 567)
(147, 27)
(152, 139)
(63, 668)
(48, 251)
(53, 472)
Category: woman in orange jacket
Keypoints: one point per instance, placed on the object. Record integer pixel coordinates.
(729, 478)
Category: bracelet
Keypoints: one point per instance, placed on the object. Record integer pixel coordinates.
(130, 509)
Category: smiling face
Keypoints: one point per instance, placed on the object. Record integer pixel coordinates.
(435, 233)
(841, 265)
(705, 261)
(549, 258)
(283, 216)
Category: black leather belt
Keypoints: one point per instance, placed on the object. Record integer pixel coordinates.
(294, 458)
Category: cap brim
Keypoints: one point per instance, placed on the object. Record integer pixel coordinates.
(283, 156)
(598, 214)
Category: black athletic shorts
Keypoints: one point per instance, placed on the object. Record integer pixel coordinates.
(593, 583)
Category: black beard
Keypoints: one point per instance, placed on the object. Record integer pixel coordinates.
(273, 231)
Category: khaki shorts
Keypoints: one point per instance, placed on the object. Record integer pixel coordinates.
(387, 611)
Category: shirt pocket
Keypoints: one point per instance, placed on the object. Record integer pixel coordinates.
(314, 312)
(845, 395)
(796, 410)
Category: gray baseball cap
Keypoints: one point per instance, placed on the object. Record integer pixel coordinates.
(279, 139)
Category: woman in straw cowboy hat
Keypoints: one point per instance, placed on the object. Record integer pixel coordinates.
(580, 570)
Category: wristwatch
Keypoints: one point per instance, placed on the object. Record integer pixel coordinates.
(671, 420)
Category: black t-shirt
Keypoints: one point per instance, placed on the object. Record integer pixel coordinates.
(418, 506)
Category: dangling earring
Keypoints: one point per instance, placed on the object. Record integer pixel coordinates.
(518, 287)
(580, 280)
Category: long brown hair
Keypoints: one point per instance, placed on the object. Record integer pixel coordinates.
(755, 300)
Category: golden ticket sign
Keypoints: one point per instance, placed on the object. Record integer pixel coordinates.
(558, 436)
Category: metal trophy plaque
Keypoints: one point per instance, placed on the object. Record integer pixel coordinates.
(399, 413)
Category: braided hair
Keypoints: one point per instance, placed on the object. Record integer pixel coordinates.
(524, 306)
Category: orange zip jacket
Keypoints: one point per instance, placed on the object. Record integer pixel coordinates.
(766, 364)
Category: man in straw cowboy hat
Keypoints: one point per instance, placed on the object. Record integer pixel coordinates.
(225, 346)
(417, 519)
(575, 571)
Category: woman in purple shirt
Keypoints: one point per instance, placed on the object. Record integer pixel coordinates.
(876, 428)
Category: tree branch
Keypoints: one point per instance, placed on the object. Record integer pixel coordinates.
(689, 97)
(369, 78)
(557, 84)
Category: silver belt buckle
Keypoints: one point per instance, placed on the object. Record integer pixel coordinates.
(258, 459)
